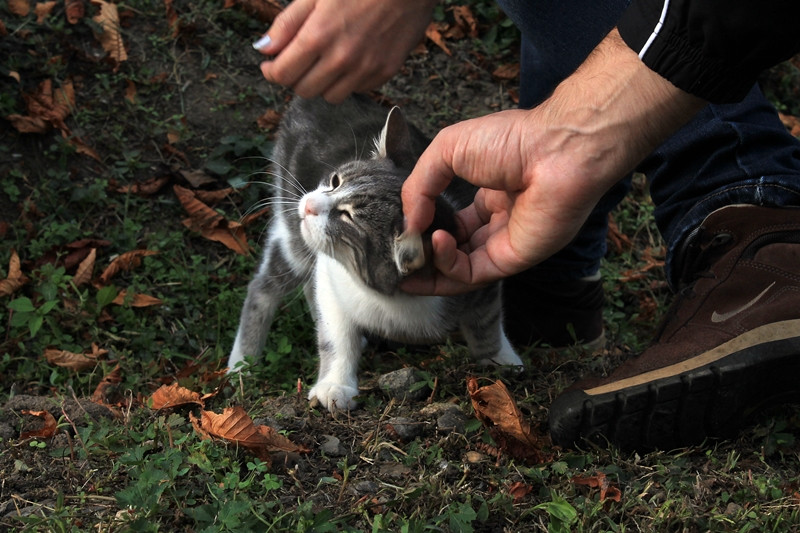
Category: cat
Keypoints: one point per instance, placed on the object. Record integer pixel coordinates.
(338, 232)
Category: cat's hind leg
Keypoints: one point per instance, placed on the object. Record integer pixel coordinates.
(482, 328)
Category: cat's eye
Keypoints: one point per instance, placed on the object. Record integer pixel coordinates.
(336, 180)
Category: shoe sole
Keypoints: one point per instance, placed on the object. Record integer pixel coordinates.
(710, 395)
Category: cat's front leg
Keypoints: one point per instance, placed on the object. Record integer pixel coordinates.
(340, 344)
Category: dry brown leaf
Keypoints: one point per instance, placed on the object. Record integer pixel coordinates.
(123, 263)
(507, 72)
(264, 10)
(19, 7)
(198, 427)
(111, 38)
(130, 91)
(210, 224)
(792, 123)
(174, 395)
(75, 10)
(100, 394)
(43, 10)
(46, 431)
(519, 490)
(236, 426)
(433, 32)
(269, 120)
(15, 278)
(252, 217)
(214, 197)
(72, 360)
(145, 188)
(466, 20)
(197, 178)
(278, 443)
(137, 300)
(172, 17)
(85, 269)
(496, 409)
(607, 490)
(46, 107)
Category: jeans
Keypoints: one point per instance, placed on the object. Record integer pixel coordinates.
(728, 154)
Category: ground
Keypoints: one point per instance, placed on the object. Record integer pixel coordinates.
(188, 108)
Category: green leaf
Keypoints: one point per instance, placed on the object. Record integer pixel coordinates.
(22, 305)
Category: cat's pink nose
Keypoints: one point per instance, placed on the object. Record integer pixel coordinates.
(310, 208)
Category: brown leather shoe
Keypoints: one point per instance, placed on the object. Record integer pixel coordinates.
(728, 348)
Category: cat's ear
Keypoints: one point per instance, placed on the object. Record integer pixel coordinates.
(395, 140)
(409, 253)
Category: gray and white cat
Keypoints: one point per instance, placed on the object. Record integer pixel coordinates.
(337, 229)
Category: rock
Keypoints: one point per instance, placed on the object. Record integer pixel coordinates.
(332, 447)
(452, 421)
(404, 428)
(400, 385)
(366, 487)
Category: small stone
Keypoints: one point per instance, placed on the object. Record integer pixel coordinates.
(452, 421)
(400, 385)
(437, 409)
(404, 428)
(366, 487)
(332, 447)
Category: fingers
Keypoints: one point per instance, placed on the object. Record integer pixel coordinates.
(430, 177)
(286, 25)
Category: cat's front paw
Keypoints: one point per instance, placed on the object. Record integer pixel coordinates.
(334, 396)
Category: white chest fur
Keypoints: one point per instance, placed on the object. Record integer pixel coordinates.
(403, 317)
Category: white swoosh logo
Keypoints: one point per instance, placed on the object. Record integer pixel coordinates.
(722, 317)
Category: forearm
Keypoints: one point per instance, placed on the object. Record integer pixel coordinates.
(610, 114)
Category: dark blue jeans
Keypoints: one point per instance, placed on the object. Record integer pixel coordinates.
(728, 154)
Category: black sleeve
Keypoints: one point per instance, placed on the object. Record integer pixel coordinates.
(714, 49)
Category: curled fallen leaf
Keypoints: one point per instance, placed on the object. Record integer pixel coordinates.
(496, 409)
(124, 263)
(111, 38)
(173, 395)
(43, 10)
(145, 188)
(72, 360)
(46, 431)
(75, 10)
(15, 278)
(506, 72)
(83, 274)
(19, 7)
(235, 425)
(136, 300)
(210, 224)
(433, 32)
(608, 491)
(103, 391)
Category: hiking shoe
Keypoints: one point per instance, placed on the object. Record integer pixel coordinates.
(553, 313)
(728, 348)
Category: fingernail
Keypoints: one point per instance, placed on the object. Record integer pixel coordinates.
(262, 43)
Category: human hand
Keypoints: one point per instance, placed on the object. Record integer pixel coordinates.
(331, 49)
(540, 172)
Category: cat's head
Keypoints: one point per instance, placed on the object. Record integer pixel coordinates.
(356, 216)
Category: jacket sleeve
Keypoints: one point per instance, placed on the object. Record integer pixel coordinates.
(714, 49)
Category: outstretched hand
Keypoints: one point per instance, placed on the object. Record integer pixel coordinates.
(541, 171)
(331, 49)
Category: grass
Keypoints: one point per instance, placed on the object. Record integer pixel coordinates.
(114, 464)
